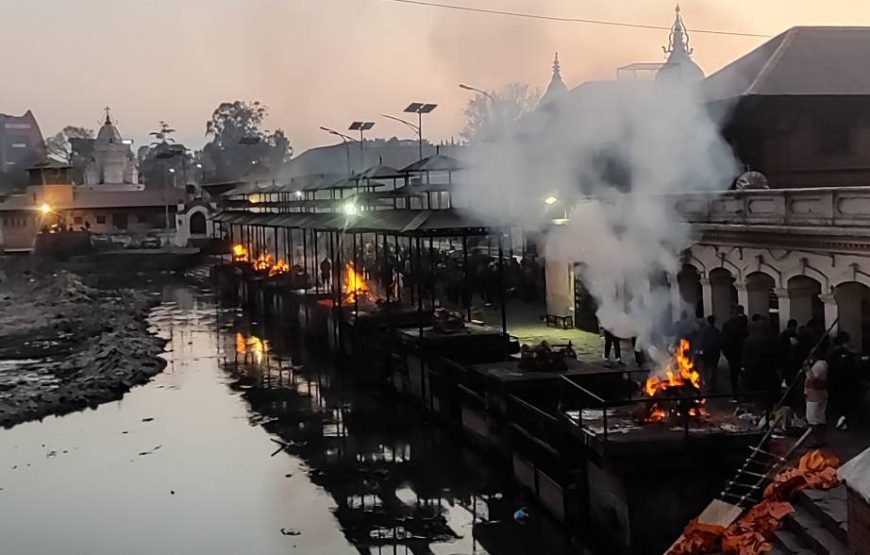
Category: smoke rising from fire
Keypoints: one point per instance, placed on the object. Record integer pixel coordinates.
(610, 152)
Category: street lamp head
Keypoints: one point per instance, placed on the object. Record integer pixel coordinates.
(349, 208)
(420, 108)
(171, 170)
(45, 209)
(551, 200)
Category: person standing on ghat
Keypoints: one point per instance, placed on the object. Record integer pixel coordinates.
(734, 333)
(325, 271)
(709, 352)
(612, 342)
(844, 384)
(816, 394)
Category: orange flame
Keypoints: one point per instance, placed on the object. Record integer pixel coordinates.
(679, 373)
(355, 286)
(278, 268)
(240, 253)
(263, 262)
(684, 374)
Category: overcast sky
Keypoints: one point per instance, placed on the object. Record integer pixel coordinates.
(329, 62)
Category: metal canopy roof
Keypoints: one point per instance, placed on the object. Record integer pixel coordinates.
(399, 222)
(435, 163)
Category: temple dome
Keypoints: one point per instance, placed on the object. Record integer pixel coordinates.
(109, 132)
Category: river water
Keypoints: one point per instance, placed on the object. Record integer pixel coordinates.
(247, 443)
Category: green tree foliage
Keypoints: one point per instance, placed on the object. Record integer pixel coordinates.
(239, 146)
(165, 162)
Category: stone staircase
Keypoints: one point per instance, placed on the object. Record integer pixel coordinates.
(817, 527)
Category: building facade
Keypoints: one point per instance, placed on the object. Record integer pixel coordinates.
(51, 202)
(21, 145)
(796, 111)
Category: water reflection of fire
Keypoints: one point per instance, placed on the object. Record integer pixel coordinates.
(240, 253)
(253, 345)
(356, 288)
(678, 377)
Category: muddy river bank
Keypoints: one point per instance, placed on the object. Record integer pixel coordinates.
(249, 442)
(67, 342)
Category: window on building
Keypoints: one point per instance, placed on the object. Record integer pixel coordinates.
(835, 137)
(17, 126)
(78, 220)
(141, 218)
(101, 219)
(119, 220)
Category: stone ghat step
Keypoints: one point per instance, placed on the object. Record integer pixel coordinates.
(812, 534)
(787, 543)
(829, 508)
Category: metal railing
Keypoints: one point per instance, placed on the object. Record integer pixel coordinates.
(576, 398)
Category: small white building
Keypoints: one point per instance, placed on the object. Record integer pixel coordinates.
(110, 161)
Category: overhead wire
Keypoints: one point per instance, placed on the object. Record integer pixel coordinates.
(567, 19)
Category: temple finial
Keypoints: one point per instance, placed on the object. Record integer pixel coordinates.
(108, 115)
(557, 68)
(679, 39)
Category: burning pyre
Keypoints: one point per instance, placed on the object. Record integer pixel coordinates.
(240, 253)
(263, 263)
(677, 387)
(355, 287)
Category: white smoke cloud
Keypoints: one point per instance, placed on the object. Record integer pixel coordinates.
(609, 151)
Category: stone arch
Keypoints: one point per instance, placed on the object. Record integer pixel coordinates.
(803, 293)
(854, 274)
(198, 223)
(724, 293)
(760, 295)
(853, 308)
(691, 289)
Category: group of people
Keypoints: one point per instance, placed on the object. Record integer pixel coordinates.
(821, 373)
(440, 274)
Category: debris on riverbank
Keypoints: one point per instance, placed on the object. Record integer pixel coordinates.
(65, 344)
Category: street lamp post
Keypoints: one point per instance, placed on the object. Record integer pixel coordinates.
(420, 108)
(362, 127)
(344, 138)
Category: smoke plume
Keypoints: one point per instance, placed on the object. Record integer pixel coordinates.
(610, 152)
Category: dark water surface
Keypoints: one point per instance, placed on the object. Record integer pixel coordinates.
(248, 444)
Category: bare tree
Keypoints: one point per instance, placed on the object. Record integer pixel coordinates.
(489, 115)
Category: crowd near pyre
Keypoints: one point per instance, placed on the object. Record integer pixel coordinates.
(393, 271)
(815, 373)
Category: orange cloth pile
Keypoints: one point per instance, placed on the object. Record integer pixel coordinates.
(697, 539)
(816, 470)
(750, 534)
